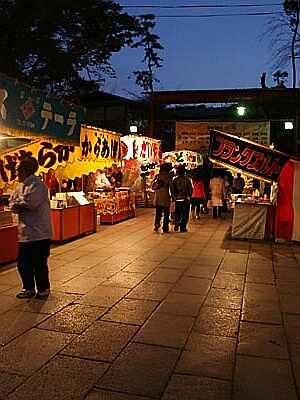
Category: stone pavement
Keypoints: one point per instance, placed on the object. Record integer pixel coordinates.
(137, 315)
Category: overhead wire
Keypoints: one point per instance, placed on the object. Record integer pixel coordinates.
(226, 6)
(219, 15)
(205, 6)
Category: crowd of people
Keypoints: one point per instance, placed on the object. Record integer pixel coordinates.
(185, 193)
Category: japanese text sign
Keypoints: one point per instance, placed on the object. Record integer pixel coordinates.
(99, 144)
(190, 158)
(248, 156)
(47, 154)
(195, 135)
(27, 109)
(141, 148)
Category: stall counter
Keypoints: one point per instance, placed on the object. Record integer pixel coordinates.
(253, 220)
(8, 243)
(115, 208)
(73, 222)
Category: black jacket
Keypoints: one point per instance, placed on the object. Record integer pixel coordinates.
(181, 188)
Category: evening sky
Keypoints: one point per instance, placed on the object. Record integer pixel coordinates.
(205, 46)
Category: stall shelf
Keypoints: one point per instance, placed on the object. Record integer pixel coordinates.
(114, 207)
(253, 220)
(9, 243)
(73, 222)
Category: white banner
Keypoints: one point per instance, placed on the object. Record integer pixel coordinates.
(195, 135)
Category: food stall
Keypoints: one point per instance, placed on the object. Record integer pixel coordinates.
(99, 152)
(32, 124)
(259, 217)
(253, 219)
(141, 158)
(190, 159)
(72, 216)
(114, 206)
(39, 126)
(8, 233)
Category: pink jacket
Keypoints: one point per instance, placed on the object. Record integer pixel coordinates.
(198, 189)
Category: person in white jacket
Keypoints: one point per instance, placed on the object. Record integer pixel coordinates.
(218, 193)
(30, 201)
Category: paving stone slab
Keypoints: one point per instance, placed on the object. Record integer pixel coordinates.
(150, 290)
(182, 304)
(32, 350)
(74, 318)
(152, 365)
(131, 311)
(104, 296)
(261, 304)
(211, 356)
(102, 341)
(14, 323)
(167, 330)
(98, 394)
(184, 387)
(262, 340)
(63, 378)
(263, 379)
(8, 382)
(218, 321)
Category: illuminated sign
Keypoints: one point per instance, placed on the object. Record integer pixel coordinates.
(141, 148)
(97, 146)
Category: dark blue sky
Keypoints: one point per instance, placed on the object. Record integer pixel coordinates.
(202, 51)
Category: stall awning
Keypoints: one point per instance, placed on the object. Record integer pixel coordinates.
(98, 148)
(269, 165)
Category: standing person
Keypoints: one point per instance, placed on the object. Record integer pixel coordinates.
(30, 201)
(198, 194)
(162, 197)
(238, 184)
(51, 183)
(181, 191)
(218, 193)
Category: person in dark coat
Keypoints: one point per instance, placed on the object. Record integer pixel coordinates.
(181, 191)
(162, 197)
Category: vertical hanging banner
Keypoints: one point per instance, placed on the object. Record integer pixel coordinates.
(245, 155)
(27, 112)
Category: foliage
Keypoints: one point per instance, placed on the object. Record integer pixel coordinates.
(280, 77)
(148, 41)
(283, 33)
(63, 46)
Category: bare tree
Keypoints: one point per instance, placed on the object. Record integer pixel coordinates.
(283, 33)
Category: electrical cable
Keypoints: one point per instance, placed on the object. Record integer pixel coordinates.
(205, 6)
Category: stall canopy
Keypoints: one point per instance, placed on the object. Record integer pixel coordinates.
(98, 148)
(269, 165)
(190, 158)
